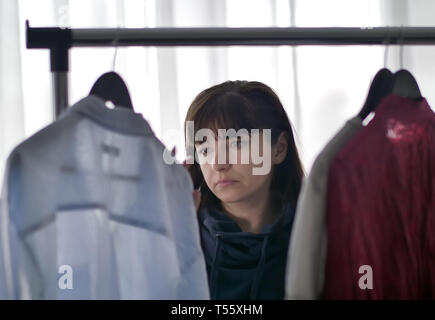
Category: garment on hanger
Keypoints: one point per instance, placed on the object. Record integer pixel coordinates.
(307, 251)
(91, 211)
(381, 207)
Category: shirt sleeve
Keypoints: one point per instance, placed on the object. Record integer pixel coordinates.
(18, 273)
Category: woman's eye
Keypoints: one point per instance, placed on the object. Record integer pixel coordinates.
(205, 150)
(237, 144)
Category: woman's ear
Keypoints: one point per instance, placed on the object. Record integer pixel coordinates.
(279, 150)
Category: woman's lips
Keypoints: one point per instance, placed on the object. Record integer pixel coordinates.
(224, 183)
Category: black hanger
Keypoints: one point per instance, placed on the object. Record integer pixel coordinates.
(405, 85)
(402, 83)
(111, 87)
(381, 86)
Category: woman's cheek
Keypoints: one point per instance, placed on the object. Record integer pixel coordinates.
(206, 172)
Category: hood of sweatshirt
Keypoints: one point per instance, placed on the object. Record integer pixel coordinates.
(245, 265)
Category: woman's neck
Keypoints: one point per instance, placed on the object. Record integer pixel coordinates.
(252, 214)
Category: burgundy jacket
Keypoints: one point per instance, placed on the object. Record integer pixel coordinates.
(381, 207)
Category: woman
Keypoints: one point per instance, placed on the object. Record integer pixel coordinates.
(245, 219)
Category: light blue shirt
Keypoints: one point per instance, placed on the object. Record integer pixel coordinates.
(89, 210)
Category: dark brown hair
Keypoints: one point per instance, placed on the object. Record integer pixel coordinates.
(249, 105)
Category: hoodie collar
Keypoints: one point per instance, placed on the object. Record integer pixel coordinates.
(218, 222)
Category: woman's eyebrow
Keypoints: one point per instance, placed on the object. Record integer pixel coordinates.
(198, 143)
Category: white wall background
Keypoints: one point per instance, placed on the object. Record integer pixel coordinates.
(321, 87)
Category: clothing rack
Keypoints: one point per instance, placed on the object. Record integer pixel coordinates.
(60, 40)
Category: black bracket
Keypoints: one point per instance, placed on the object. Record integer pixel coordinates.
(58, 40)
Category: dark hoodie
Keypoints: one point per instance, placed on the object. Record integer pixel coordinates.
(244, 265)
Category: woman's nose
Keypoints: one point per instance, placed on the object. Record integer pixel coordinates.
(220, 165)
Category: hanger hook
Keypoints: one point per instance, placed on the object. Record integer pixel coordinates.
(401, 46)
(115, 44)
(386, 42)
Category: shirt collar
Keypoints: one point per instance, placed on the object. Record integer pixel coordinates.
(118, 119)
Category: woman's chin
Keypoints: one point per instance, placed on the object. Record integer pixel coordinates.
(228, 198)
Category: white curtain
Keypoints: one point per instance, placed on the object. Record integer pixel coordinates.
(11, 93)
(320, 86)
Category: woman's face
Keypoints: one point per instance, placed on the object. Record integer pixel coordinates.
(233, 181)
